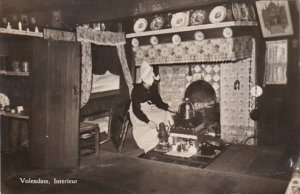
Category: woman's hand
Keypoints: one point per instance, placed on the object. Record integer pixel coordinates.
(152, 125)
(171, 110)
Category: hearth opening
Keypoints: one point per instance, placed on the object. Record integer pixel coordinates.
(207, 110)
(194, 139)
(199, 110)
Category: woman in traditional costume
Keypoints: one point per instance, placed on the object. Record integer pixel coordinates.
(147, 109)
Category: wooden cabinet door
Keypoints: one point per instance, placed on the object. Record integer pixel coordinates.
(55, 104)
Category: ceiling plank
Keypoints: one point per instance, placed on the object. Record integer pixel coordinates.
(116, 7)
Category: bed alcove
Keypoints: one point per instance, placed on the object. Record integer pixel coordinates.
(104, 62)
(106, 80)
(106, 89)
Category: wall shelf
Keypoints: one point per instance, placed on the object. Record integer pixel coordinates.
(21, 32)
(12, 73)
(14, 115)
(192, 28)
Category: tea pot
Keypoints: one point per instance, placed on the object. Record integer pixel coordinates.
(187, 110)
(163, 133)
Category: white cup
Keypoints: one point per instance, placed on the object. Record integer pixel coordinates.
(20, 109)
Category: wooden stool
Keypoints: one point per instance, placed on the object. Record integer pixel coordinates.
(88, 139)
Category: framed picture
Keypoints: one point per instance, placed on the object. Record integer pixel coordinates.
(274, 18)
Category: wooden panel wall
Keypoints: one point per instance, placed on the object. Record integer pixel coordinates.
(279, 105)
(39, 119)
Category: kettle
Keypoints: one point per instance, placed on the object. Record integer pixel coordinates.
(187, 110)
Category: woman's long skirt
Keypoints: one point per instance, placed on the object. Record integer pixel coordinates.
(145, 136)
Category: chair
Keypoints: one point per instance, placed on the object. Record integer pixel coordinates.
(124, 129)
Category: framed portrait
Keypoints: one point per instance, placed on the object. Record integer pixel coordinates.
(274, 18)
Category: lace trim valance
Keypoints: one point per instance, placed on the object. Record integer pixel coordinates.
(208, 50)
(100, 37)
(50, 34)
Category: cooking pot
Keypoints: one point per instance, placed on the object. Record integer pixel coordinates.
(255, 114)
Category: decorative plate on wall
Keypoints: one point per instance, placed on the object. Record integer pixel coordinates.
(256, 91)
(217, 14)
(227, 32)
(157, 23)
(241, 11)
(4, 100)
(154, 40)
(198, 17)
(135, 42)
(252, 15)
(199, 35)
(180, 19)
(176, 39)
(140, 25)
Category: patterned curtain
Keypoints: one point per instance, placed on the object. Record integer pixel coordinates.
(50, 34)
(127, 75)
(100, 37)
(276, 62)
(86, 72)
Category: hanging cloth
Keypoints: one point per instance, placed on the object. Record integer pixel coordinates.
(87, 36)
(276, 62)
(86, 72)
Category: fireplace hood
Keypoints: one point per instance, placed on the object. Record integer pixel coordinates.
(208, 50)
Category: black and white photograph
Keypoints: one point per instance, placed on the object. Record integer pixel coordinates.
(149, 97)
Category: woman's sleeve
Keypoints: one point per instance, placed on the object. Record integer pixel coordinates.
(157, 100)
(136, 106)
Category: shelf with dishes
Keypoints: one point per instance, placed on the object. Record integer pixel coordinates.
(14, 68)
(13, 73)
(21, 32)
(197, 19)
(192, 28)
(14, 115)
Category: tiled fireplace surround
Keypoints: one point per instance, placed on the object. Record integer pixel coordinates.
(235, 105)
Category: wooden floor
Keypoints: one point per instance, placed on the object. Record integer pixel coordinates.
(241, 169)
(251, 160)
